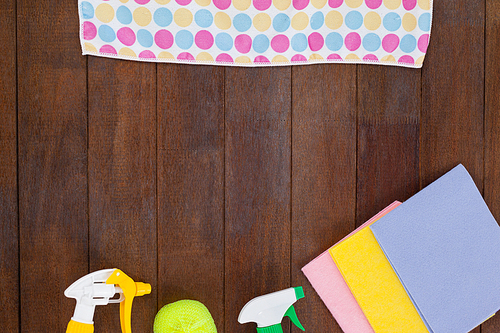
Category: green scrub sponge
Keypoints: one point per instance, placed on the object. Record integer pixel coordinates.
(184, 316)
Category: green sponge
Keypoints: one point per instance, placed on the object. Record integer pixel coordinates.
(186, 316)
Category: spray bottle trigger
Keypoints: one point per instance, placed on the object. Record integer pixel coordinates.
(290, 313)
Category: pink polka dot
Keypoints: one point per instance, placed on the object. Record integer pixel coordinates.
(147, 55)
(280, 43)
(406, 59)
(89, 30)
(262, 4)
(183, 2)
(224, 57)
(261, 59)
(370, 57)
(423, 42)
(315, 41)
(243, 43)
(334, 56)
(164, 39)
(142, 2)
(222, 4)
(204, 39)
(409, 4)
(335, 3)
(373, 4)
(300, 4)
(126, 36)
(299, 58)
(352, 41)
(185, 56)
(390, 42)
(108, 49)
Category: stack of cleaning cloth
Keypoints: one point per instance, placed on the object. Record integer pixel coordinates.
(430, 264)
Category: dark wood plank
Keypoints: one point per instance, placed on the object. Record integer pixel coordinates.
(9, 235)
(122, 181)
(389, 102)
(453, 93)
(191, 187)
(324, 175)
(52, 162)
(258, 176)
(492, 125)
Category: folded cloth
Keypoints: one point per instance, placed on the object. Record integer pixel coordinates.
(328, 282)
(258, 32)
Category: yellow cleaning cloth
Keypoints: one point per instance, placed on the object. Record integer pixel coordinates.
(375, 285)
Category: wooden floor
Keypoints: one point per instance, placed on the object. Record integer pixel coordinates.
(219, 184)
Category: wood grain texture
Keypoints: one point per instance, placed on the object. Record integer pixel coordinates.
(52, 162)
(258, 173)
(9, 235)
(191, 186)
(492, 125)
(122, 181)
(389, 103)
(324, 175)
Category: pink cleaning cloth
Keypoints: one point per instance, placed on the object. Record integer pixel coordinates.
(328, 282)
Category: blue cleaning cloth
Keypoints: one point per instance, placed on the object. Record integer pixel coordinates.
(444, 245)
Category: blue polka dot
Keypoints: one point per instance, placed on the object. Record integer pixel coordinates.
(224, 41)
(299, 42)
(106, 33)
(281, 22)
(260, 43)
(424, 22)
(392, 21)
(317, 20)
(334, 41)
(162, 17)
(124, 15)
(145, 38)
(87, 10)
(354, 20)
(184, 39)
(408, 43)
(203, 18)
(242, 22)
(371, 42)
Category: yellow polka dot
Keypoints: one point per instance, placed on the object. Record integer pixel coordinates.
(334, 20)
(162, 2)
(125, 51)
(142, 16)
(165, 55)
(372, 21)
(204, 56)
(315, 56)
(388, 58)
(353, 3)
(282, 4)
(183, 17)
(280, 58)
(262, 21)
(90, 48)
(318, 3)
(243, 60)
(352, 57)
(300, 21)
(242, 4)
(424, 4)
(222, 21)
(409, 22)
(203, 3)
(104, 13)
(392, 4)
(420, 60)
(124, 1)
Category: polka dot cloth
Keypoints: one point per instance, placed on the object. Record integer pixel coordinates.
(258, 32)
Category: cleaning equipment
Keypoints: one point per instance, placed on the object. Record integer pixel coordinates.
(268, 310)
(98, 288)
(186, 316)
